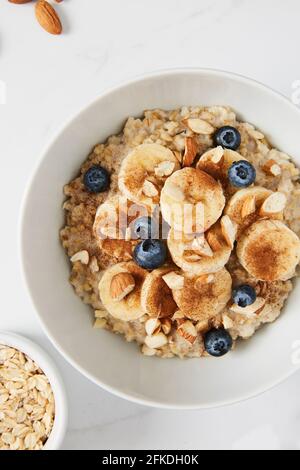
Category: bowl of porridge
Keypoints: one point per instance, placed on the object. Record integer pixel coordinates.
(160, 239)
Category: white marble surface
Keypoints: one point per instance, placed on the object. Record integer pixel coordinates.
(49, 78)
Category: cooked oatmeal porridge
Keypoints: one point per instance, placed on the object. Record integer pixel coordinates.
(182, 231)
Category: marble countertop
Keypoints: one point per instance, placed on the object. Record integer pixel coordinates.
(49, 78)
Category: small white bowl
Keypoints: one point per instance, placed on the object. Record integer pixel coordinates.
(41, 358)
(255, 365)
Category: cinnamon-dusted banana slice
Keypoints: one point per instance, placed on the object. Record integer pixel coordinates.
(112, 226)
(191, 200)
(205, 254)
(144, 171)
(217, 162)
(204, 300)
(244, 206)
(156, 296)
(269, 251)
(120, 290)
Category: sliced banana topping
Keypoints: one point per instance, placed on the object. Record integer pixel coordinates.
(143, 172)
(112, 226)
(156, 296)
(206, 300)
(120, 290)
(191, 200)
(243, 207)
(269, 251)
(217, 162)
(205, 254)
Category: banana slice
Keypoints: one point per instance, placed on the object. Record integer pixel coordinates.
(191, 200)
(202, 255)
(120, 290)
(112, 227)
(243, 207)
(269, 251)
(217, 162)
(144, 171)
(156, 297)
(200, 301)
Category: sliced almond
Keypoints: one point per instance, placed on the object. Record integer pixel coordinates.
(227, 322)
(174, 281)
(249, 207)
(121, 285)
(175, 192)
(82, 256)
(149, 189)
(156, 341)
(250, 309)
(164, 169)
(191, 150)
(202, 280)
(148, 351)
(94, 267)
(272, 168)
(217, 155)
(202, 325)
(229, 230)
(166, 325)
(101, 313)
(152, 326)
(201, 247)
(178, 316)
(188, 331)
(274, 204)
(214, 241)
(199, 126)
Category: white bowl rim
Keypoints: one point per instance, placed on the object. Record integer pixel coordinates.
(46, 363)
(106, 92)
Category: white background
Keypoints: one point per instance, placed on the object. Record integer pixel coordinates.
(48, 79)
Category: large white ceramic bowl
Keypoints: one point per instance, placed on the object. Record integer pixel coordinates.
(255, 365)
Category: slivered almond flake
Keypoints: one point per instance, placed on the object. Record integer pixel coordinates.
(156, 341)
(202, 280)
(227, 322)
(188, 331)
(152, 326)
(94, 267)
(149, 189)
(272, 168)
(190, 152)
(148, 351)
(199, 126)
(250, 309)
(202, 325)
(214, 241)
(121, 285)
(101, 313)
(229, 230)
(164, 169)
(174, 281)
(178, 316)
(174, 192)
(100, 323)
(201, 247)
(82, 256)
(166, 325)
(249, 207)
(274, 204)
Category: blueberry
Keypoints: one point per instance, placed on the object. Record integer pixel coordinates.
(241, 174)
(218, 342)
(150, 254)
(244, 295)
(145, 227)
(228, 137)
(96, 179)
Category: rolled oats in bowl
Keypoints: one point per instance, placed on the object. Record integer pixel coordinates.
(183, 231)
(27, 408)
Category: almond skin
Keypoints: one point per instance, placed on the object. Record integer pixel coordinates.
(47, 17)
(19, 2)
(121, 285)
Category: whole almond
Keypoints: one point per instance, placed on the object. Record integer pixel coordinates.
(47, 17)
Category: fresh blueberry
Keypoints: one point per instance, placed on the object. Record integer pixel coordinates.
(228, 137)
(244, 295)
(218, 342)
(96, 179)
(241, 174)
(150, 254)
(145, 227)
